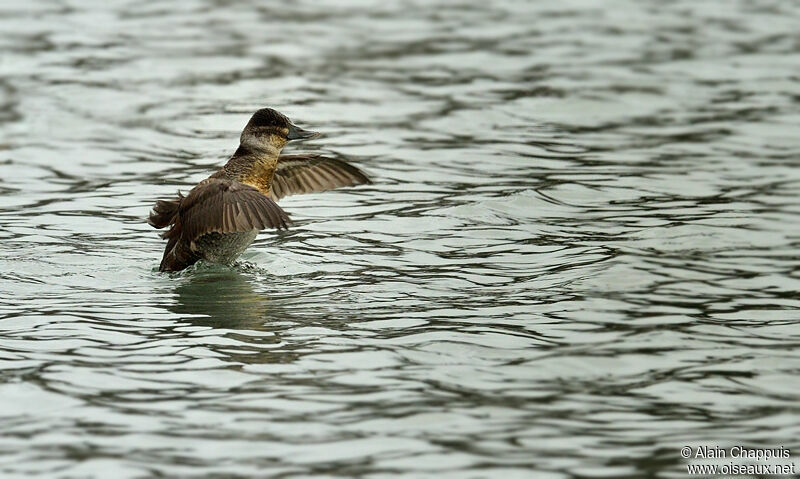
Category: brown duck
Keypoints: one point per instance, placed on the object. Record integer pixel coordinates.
(221, 216)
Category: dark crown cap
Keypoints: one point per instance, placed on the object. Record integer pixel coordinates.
(269, 117)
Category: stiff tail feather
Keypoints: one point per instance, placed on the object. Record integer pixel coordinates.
(165, 212)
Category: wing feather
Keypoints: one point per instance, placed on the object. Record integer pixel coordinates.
(222, 206)
(297, 174)
(334, 173)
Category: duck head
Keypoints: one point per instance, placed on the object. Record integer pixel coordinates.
(269, 130)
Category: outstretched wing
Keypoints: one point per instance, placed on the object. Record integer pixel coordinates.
(217, 205)
(297, 174)
(227, 206)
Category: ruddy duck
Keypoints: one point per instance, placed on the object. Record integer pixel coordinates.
(221, 216)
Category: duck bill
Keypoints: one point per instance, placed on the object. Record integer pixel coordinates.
(297, 133)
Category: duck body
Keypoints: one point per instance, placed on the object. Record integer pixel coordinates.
(220, 217)
(224, 248)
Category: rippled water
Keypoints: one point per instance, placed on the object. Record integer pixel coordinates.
(580, 252)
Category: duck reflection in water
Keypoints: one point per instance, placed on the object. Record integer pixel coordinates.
(221, 297)
(224, 299)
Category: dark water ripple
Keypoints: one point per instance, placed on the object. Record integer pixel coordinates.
(579, 255)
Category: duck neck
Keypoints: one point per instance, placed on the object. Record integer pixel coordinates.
(252, 147)
(254, 167)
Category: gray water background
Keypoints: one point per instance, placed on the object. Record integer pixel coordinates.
(580, 252)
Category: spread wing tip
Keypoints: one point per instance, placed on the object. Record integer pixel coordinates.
(363, 179)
